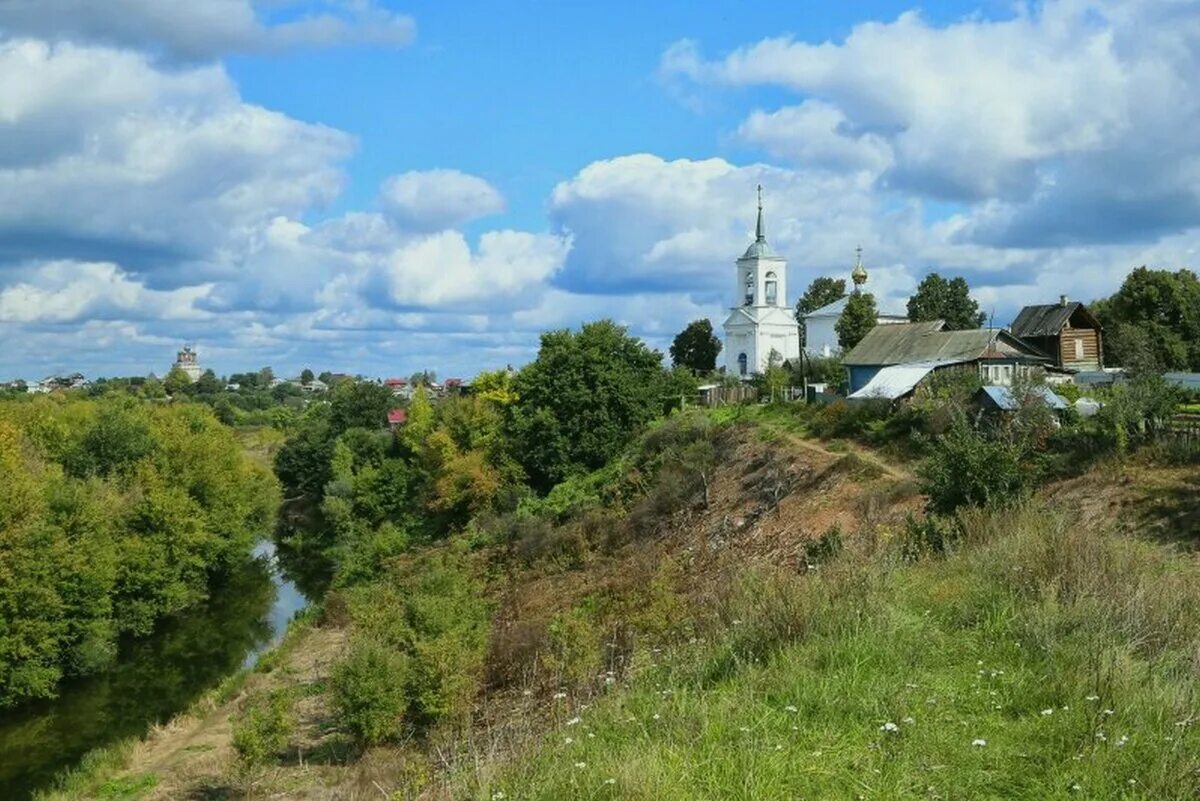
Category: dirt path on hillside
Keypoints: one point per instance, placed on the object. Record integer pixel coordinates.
(890, 470)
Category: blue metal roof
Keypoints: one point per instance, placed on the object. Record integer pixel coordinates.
(1004, 399)
(1186, 380)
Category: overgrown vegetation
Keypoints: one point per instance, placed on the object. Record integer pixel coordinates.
(113, 513)
(1036, 660)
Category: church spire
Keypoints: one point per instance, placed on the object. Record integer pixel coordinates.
(760, 232)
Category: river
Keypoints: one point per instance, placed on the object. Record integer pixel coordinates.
(154, 677)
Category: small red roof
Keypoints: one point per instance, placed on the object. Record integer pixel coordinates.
(395, 382)
(453, 382)
(397, 417)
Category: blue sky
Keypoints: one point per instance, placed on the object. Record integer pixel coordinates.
(376, 186)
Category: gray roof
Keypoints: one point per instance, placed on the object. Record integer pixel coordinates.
(1046, 320)
(909, 343)
(836, 308)
(759, 249)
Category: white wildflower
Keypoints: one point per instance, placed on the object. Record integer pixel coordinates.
(498, 795)
(744, 729)
(1122, 740)
(790, 708)
(568, 740)
(573, 721)
(1047, 712)
(1109, 712)
(559, 696)
(657, 716)
(581, 765)
(978, 743)
(1101, 736)
(889, 726)
(1092, 698)
(610, 781)
(910, 721)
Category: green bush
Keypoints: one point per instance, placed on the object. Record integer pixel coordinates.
(262, 728)
(370, 690)
(966, 467)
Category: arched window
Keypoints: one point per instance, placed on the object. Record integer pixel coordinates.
(743, 364)
(749, 289)
(772, 289)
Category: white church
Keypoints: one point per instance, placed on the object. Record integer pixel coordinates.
(763, 321)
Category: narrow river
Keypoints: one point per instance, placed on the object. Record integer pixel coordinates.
(154, 677)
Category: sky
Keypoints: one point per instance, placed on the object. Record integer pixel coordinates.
(379, 187)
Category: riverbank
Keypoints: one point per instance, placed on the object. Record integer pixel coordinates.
(188, 659)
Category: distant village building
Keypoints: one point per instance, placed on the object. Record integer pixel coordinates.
(1065, 331)
(761, 321)
(397, 418)
(820, 325)
(58, 383)
(187, 361)
(891, 360)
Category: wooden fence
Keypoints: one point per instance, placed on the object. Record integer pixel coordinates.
(728, 396)
(1183, 429)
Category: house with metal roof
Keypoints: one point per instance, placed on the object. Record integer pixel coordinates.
(891, 360)
(1066, 331)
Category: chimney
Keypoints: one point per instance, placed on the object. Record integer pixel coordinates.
(1062, 301)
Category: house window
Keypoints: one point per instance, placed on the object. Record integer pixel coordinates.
(749, 289)
(772, 289)
(743, 364)
(1079, 349)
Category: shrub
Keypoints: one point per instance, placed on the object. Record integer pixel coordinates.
(262, 728)
(966, 467)
(369, 690)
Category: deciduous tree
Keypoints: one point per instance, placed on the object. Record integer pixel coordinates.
(696, 347)
(939, 299)
(859, 317)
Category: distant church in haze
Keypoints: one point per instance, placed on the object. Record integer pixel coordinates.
(761, 320)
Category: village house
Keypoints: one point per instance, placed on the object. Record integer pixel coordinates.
(891, 360)
(1065, 331)
(397, 418)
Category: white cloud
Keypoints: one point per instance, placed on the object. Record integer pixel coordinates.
(146, 167)
(510, 267)
(641, 223)
(205, 29)
(817, 135)
(68, 292)
(431, 200)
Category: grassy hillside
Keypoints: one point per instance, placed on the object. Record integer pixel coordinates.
(733, 609)
(1038, 660)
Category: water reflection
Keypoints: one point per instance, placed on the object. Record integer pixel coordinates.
(154, 678)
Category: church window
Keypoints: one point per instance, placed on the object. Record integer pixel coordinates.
(772, 289)
(749, 289)
(743, 364)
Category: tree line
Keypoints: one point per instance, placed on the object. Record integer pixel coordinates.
(113, 513)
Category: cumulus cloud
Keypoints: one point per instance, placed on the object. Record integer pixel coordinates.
(147, 167)
(640, 223)
(70, 292)
(441, 271)
(1072, 120)
(431, 200)
(205, 29)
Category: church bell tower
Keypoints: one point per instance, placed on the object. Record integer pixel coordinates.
(760, 322)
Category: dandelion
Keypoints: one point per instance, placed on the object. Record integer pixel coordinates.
(1047, 712)
(573, 721)
(889, 727)
(978, 743)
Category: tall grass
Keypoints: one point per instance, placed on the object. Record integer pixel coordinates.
(1035, 660)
